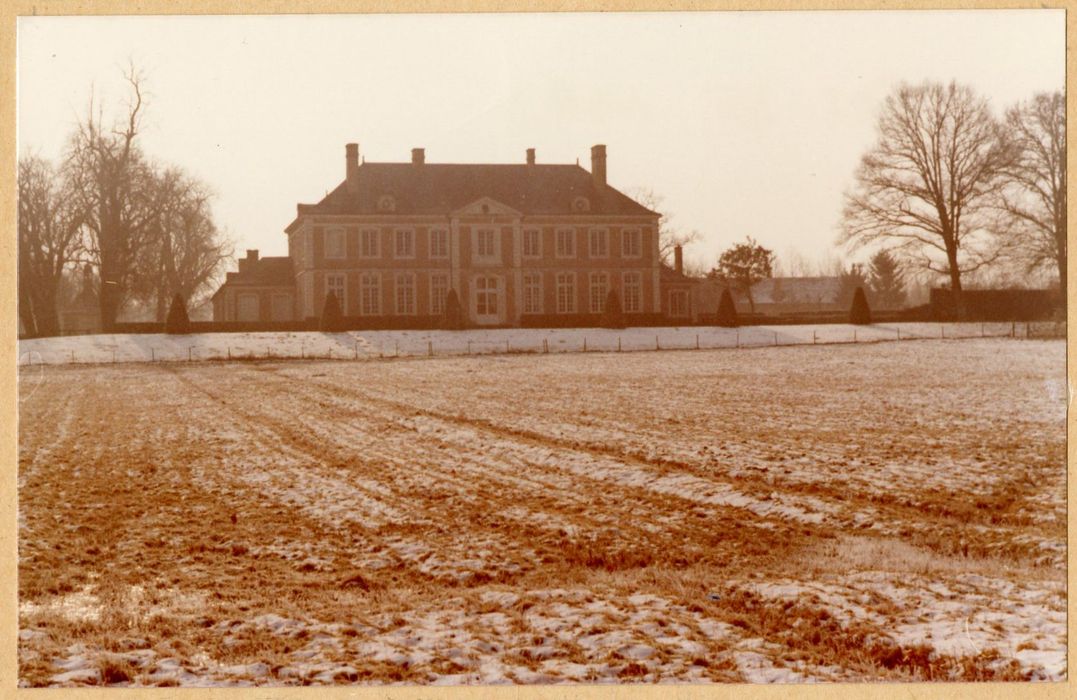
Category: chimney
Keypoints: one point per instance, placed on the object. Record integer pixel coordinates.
(418, 156)
(351, 167)
(678, 260)
(598, 165)
(530, 156)
(245, 263)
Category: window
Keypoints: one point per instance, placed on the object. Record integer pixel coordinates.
(334, 284)
(486, 243)
(566, 243)
(439, 243)
(533, 293)
(439, 288)
(370, 294)
(308, 249)
(678, 303)
(486, 296)
(632, 290)
(368, 243)
(532, 243)
(599, 243)
(335, 244)
(631, 243)
(566, 292)
(600, 287)
(405, 243)
(405, 294)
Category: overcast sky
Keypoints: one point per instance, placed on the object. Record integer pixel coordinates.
(745, 123)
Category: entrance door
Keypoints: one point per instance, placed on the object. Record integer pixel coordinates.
(486, 300)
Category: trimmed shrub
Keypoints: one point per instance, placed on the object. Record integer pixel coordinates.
(177, 321)
(452, 318)
(860, 314)
(331, 315)
(613, 317)
(727, 311)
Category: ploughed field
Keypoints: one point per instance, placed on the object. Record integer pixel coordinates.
(885, 512)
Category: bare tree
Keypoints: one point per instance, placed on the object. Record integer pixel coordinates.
(930, 181)
(669, 236)
(1035, 201)
(744, 264)
(186, 252)
(48, 228)
(114, 185)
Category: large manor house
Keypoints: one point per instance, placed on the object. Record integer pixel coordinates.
(522, 244)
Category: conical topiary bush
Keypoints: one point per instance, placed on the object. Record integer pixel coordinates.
(727, 310)
(331, 315)
(177, 320)
(859, 313)
(453, 316)
(613, 316)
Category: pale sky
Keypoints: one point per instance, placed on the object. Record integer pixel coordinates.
(747, 124)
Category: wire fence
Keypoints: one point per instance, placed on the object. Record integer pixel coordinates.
(364, 348)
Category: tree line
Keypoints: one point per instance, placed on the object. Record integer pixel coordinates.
(140, 232)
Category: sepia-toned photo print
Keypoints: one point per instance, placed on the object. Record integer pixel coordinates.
(541, 348)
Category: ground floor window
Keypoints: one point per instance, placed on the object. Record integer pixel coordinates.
(678, 303)
(439, 288)
(632, 291)
(566, 293)
(533, 293)
(369, 294)
(335, 285)
(486, 296)
(405, 294)
(600, 287)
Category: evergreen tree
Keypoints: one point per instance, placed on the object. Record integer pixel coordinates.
(886, 281)
(177, 321)
(860, 314)
(613, 317)
(727, 310)
(453, 315)
(331, 315)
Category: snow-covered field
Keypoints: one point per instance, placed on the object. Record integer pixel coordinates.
(107, 348)
(887, 511)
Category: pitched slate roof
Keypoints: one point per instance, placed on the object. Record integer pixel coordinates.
(796, 290)
(440, 188)
(264, 272)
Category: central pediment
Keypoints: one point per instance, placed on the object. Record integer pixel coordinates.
(487, 206)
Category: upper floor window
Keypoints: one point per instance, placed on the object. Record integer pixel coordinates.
(566, 243)
(335, 244)
(598, 239)
(439, 243)
(404, 246)
(386, 202)
(368, 243)
(486, 243)
(631, 243)
(532, 245)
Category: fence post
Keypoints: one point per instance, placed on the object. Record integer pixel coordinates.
(618, 343)
(775, 338)
(585, 343)
(697, 341)
(355, 346)
(899, 333)
(396, 348)
(188, 354)
(981, 329)
(506, 347)
(942, 330)
(545, 345)
(738, 337)
(1013, 329)
(469, 347)
(153, 355)
(657, 347)
(430, 348)
(814, 337)
(854, 335)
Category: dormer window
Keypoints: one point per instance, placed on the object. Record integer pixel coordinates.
(386, 203)
(581, 204)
